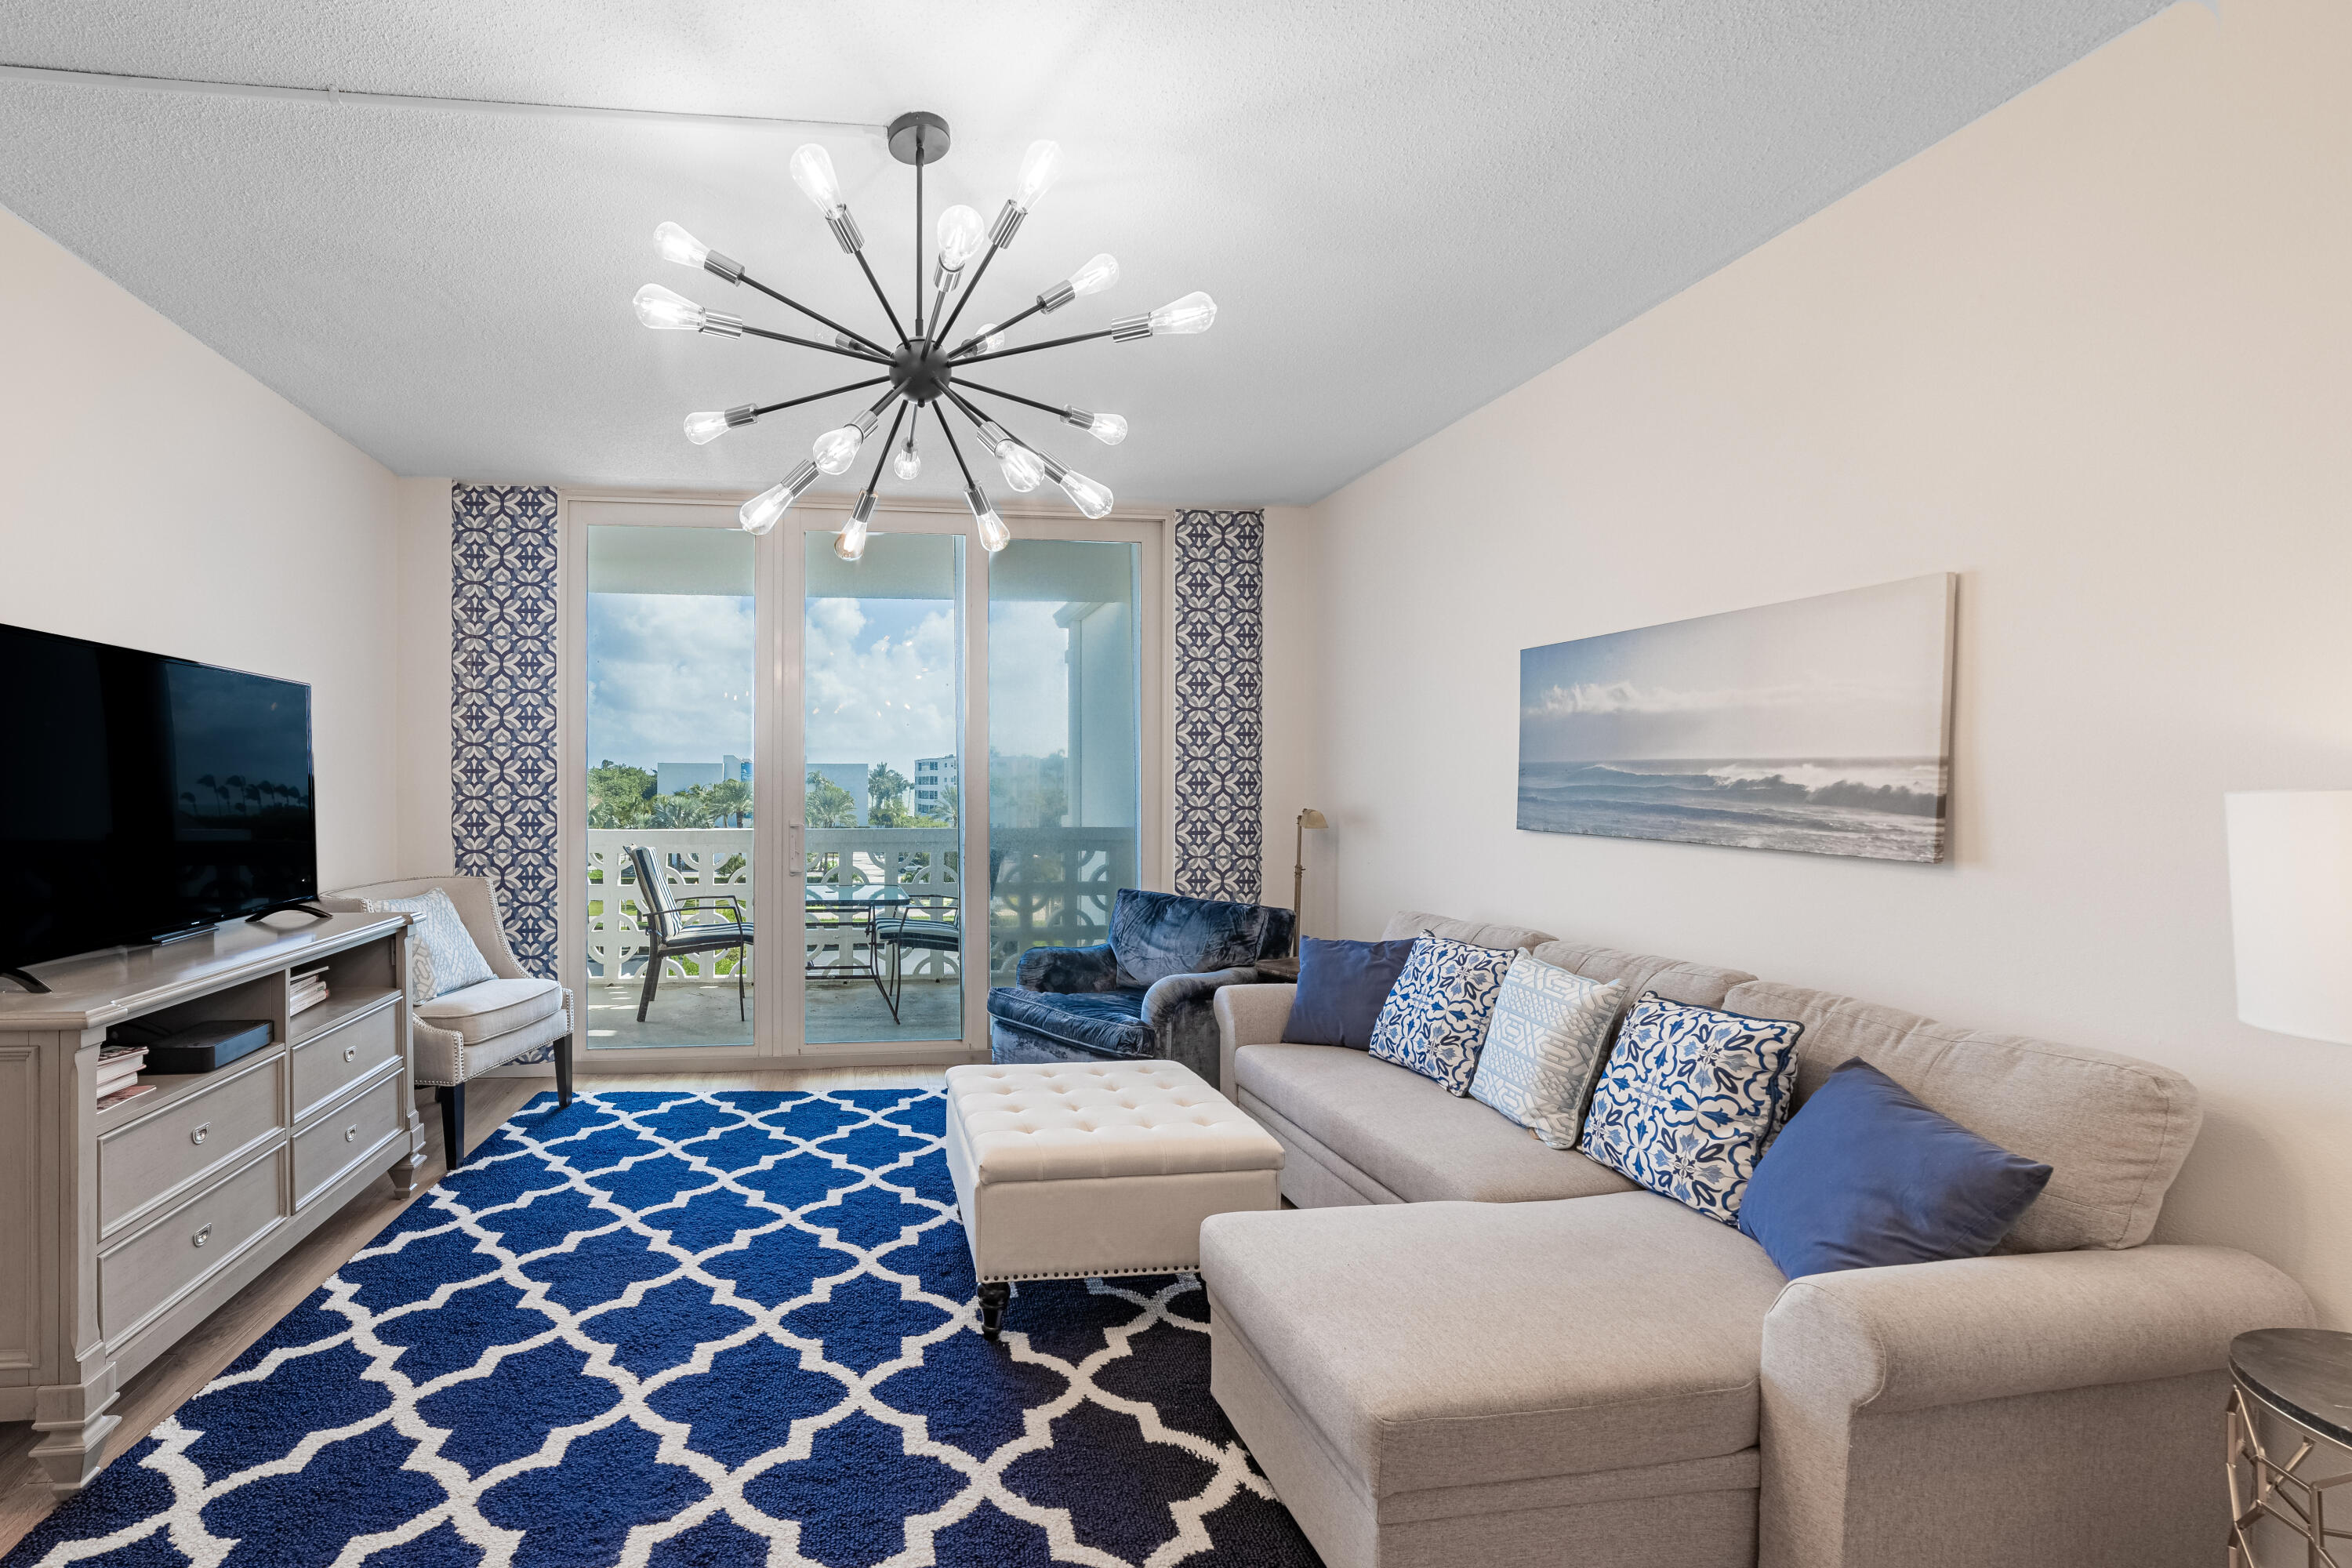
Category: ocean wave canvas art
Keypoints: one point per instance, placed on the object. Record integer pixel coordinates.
(1821, 725)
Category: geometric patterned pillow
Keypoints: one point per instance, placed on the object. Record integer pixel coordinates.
(455, 963)
(1436, 1018)
(1690, 1100)
(1543, 1048)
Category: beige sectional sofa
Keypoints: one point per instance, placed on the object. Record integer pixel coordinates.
(1473, 1349)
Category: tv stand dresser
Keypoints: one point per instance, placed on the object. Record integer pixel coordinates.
(121, 1229)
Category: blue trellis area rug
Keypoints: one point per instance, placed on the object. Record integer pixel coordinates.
(687, 1329)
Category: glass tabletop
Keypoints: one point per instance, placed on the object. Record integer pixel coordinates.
(870, 894)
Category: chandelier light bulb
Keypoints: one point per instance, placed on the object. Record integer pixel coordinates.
(760, 513)
(962, 234)
(994, 535)
(1090, 496)
(676, 244)
(1095, 276)
(813, 172)
(835, 449)
(1195, 312)
(1110, 429)
(908, 463)
(1041, 166)
(1022, 469)
(703, 428)
(850, 543)
(988, 339)
(665, 310)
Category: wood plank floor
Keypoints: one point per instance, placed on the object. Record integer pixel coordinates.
(176, 1376)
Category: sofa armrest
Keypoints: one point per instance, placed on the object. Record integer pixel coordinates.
(1859, 1452)
(1171, 992)
(1067, 970)
(1249, 1015)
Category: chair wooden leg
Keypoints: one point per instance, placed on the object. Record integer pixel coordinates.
(653, 978)
(563, 1072)
(453, 1124)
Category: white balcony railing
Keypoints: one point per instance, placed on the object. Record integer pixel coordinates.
(1050, 886)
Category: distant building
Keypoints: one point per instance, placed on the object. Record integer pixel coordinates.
(932, 776)
(850, 777)
(671, 777)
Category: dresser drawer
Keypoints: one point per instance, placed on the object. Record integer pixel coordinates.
(169, 1152)
(142, 1275)
(345, 1134)
(326, 1065)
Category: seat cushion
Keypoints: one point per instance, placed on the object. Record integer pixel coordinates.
(1432, 1345)
(1417, 1142)
(1110, 1022)
(489, 1008)
(1069, 1121)
(2113, 1129)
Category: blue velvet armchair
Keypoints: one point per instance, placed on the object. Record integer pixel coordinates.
(1146, 991)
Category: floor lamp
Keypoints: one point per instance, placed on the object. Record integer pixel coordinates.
(1309, 818)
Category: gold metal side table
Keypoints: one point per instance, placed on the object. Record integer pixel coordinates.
(2302, 1378)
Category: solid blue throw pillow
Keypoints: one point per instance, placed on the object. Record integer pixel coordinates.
(1865, 1175)
(1341, 985)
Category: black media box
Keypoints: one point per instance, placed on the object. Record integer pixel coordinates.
(200, 1047)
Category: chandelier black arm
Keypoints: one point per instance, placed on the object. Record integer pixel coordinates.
(1012, 398)
(1032, 348)
(969, 290)
(812, 343)
(891, 440)
(867, 268)
(1003, 326)
(918, 234)
(812, 397)
(814, 316)
(969, 483)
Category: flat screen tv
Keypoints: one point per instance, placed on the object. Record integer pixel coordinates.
(145, 798)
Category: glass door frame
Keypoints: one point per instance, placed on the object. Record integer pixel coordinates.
(778, 614)
(1148, 532)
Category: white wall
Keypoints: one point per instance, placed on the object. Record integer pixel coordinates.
(152, 494)
(2095, 353)
(422, 525)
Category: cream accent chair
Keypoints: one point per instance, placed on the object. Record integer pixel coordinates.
(466, 1033)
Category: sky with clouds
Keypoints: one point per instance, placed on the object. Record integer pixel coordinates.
(670, 679)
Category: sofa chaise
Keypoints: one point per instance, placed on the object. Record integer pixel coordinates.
(1473, 1348)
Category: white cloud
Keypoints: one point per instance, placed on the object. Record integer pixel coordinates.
(1624, 697)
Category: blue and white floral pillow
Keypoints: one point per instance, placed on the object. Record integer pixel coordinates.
(1436, 1018)
(1690, 1100)
(1544, 1046)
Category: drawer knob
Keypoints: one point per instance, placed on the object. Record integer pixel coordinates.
(202, 1128)
(349, 1133)
(351, 1053)
(202, 1236)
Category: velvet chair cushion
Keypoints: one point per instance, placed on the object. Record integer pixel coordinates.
(1155, 935)
(1109, 1023)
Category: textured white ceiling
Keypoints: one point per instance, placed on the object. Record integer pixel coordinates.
(1402, 209)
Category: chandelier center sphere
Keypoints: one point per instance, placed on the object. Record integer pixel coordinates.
(919, 369)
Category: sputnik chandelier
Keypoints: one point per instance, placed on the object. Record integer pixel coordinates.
(923, 371)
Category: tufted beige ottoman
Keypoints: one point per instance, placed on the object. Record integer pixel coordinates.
(1071, 1170)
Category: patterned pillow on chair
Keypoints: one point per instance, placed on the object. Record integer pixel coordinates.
(1690, 1100)
(1436, 1018)
(1544, 1047)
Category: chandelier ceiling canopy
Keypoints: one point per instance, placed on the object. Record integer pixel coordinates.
(924, 369)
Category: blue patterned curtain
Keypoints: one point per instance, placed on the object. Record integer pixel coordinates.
(503, 700)
(1220, 584)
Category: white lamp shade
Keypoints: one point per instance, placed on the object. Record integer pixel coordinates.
(2290, 910)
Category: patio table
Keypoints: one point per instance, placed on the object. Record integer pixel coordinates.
(853, 909)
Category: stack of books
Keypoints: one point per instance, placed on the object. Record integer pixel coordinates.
(118, 1074)
(307, 988)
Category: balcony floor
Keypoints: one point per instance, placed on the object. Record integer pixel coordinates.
(687, 1012)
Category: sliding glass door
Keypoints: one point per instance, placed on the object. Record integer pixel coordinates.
(822, 806)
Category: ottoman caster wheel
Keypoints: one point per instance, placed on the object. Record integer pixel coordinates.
(994, 1294)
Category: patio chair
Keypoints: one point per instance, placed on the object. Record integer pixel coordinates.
(670, 936)
(930, 923)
